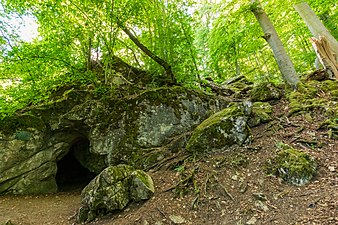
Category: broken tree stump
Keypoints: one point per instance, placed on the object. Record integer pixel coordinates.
(325, 55)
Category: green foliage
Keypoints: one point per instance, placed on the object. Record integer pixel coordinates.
(198, 39)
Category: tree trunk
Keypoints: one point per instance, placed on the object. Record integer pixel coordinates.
(89, 54)
(285, 65)
(157, 59)
(325, 56)
(316, 26)
(324, 44)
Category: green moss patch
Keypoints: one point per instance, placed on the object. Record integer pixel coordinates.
(265, 92)
(317, 96)
(293, 166)
(261, 113)
(221, 130)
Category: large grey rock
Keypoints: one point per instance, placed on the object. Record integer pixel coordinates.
(150, 121)
(131, 130)
(113, 189)
(221, 130)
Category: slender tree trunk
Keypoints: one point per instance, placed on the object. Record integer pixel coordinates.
(324, 44)
(238, 67)
(89, 54)
(314, 24)
(157, 59)
(284, 62)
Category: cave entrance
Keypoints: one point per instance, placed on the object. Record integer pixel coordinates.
(71, 175)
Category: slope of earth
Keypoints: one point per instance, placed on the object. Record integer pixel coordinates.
(229, 187)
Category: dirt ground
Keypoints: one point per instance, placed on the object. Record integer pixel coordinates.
(229, 187)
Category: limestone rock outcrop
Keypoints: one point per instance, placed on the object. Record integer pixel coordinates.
(130, 130)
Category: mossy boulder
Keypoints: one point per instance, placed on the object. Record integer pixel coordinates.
(293, 166)
(314, 95)
(221, 130)
(113, 189)
(265, 91)
(141, 186)
(260, 113)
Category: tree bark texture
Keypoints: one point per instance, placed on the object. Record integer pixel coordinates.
(157, 59)
(325, 56)
(284, 62)
(316, 27)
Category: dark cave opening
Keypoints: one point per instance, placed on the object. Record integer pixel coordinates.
(71, 175)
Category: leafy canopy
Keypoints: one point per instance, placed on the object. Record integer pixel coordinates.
(199, 39)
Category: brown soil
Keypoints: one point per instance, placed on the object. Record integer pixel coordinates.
(231, 187)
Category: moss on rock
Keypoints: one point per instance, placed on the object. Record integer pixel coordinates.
(132, 129)
(24, 122)
(221, 130)
(293, 166)
(317, 96)
(260, 113)
(141, 187)
(112, 190)
(265, 92)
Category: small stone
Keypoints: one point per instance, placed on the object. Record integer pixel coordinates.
(259, 196)
(262, 206)
(243, 187)
(177, 219)
(234, 177)
(251, 221)
(332, 168)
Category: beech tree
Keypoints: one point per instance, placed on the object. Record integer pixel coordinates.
(270, 35)
(325, 45)
(188, 41)
(315, 25)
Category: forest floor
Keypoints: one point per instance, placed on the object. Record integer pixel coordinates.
(229, 187)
